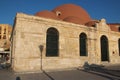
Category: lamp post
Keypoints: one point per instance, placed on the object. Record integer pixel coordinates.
(41, 50)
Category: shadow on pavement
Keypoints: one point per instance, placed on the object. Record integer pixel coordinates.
(101, 71)
(48, 75)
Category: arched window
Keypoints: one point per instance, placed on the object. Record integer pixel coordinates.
(4, 37)
(0, 30)
(119, 46)
(104, 48)
(5, 31)
(119, 29)
(52, 42)
(83, 44)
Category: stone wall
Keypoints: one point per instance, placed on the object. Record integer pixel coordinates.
(30, 32)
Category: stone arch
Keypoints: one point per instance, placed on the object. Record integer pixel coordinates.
(52, 42)
(119, 46)
(83, 44)
(104, 48)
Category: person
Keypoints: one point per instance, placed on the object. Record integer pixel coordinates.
(7, 57)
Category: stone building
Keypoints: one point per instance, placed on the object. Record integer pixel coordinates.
(5, 33)
(65, 37)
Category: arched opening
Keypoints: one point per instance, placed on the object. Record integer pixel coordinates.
(52, 42)
(119, 29)
(119, 46)
(83, 44)
(104, 49)
(0, 30)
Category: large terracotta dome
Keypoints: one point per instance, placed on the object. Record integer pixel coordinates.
(67, 12)
(73, 20)
(46, 14)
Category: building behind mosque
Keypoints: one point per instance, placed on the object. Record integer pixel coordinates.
(5, 33)
(65, 37)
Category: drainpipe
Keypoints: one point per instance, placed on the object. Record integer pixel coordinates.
(41, 50)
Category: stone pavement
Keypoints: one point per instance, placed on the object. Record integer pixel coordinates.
(93, 73)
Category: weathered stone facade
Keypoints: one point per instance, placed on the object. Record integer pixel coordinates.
(30, 32)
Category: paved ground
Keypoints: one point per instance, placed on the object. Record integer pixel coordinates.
(92, 72)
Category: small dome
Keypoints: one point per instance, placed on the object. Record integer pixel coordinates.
(114, 26)
(73, 20)
(92, 23)
(67, 10)
(47, 14)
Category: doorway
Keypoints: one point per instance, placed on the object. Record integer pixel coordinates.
(104, 49)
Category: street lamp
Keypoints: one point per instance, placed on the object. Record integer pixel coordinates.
(41, 50)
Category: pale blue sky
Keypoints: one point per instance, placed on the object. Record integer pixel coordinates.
(97, 9)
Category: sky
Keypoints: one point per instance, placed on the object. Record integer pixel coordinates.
(97, 9)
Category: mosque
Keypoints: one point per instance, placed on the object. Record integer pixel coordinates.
(65, 37)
